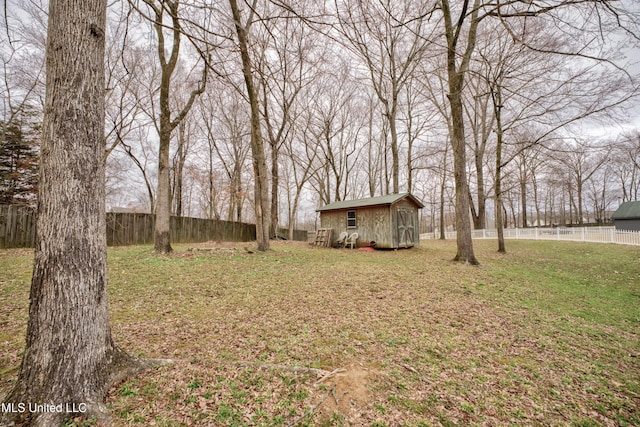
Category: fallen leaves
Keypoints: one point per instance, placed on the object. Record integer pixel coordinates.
(394, 338)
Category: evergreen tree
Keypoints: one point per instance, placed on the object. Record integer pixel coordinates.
(19, 158)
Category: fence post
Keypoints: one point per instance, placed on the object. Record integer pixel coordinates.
(584, 229)
(613, 235)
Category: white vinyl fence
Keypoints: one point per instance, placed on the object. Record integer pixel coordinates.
(575, 234)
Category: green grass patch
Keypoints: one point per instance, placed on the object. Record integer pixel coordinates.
(544, 335)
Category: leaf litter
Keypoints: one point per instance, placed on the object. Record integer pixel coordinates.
(404, 338)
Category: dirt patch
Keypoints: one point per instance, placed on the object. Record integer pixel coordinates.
(349, 393)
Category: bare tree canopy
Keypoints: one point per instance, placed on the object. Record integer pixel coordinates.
(352, 99)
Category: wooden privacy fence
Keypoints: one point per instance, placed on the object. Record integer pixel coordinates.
(17, 229)
(137, 228)
(17, 226)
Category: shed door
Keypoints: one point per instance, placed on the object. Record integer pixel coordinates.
(406, 227)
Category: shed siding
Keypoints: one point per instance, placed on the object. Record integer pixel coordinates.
(372, 224)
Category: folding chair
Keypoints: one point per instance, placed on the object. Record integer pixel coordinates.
(351, 241)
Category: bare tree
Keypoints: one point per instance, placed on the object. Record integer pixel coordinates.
(458, 59)
(534, 160)
(125, 63)
(261, 187)
(141, 157)
(461, 25)
(598, 193)
(419, 120)
(337, 125)
(375, 151)
(389, 36)
(226, 127)
(22, 45)
(625, 156)
(167, 121)
(302, 151)
(22, 62)
(582, 162)
(481, 119)
(284, 69)
(179, 162)
(433, 74)
(536, 93)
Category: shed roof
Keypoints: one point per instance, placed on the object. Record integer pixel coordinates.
(372, 201)
(627, 210)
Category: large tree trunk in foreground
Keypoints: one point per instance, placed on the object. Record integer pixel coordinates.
(70, 358)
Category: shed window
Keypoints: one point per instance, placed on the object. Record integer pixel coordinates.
(351, 219)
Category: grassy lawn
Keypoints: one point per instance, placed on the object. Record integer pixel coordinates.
(545, 335)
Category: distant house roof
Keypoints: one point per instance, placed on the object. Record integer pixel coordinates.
(627, 210)
(372, 201)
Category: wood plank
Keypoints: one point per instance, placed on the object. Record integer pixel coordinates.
(323, 237)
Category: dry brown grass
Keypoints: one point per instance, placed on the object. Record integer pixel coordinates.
(546, 335)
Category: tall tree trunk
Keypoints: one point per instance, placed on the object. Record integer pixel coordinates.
(464, 242)
(536, 202)
(500, 220)
(235, 194)
(443, 186)
(70, 357)
(162, 242)
(579, 209)
(410, 166)
(455, 76)
(178, 168)
(292, 216)
(395, 162)
(497, 102)
(372, 168)
(479, 220)
(261, 185)
(275, 184)
(481, 131)
(523, 202)
(386, 163)
(211, 183)
(523, 192)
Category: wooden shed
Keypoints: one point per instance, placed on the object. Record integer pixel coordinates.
(627, 217)
(384, 222)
